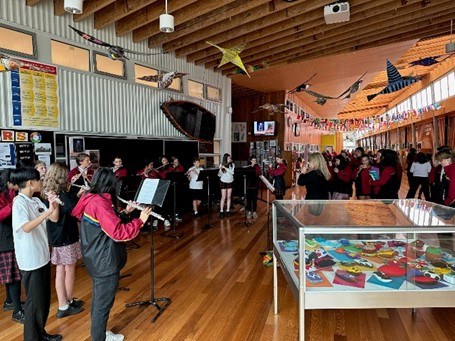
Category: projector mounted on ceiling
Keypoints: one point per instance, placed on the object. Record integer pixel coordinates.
(336, 12)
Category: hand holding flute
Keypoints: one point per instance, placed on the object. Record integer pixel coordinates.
(52, 197)
(147, 210)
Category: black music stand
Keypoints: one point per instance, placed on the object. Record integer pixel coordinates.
(248, 174)
(152, 192)
(270, 189)
(208, 175)
(175, 178)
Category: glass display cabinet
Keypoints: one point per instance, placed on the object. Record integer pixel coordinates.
(345, 254)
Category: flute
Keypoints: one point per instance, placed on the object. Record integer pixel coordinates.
(57, 199)
(139, 207)
(85, 188)
(161, 166)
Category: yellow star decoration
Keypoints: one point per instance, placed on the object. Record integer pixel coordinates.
(231, 55)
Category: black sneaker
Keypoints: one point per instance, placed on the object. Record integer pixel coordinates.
(76, 303)
(8, 306)
(19, 316)
(68, 312)
(228, 213)
(221, 214)
(51, 337)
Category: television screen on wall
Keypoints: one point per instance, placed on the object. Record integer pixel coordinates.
(264, 128)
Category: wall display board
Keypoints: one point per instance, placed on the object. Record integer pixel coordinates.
(34, 90)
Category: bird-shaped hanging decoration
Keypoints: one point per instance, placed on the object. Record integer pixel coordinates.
(353, 88)
(320, 99)
(429, 61)
(113, 51)
(272, 108)
(302, 87)
(396, 81)
(164, 80)
(231, 55)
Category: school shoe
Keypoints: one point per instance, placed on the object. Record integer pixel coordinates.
(167, 225)
(51, 337)
(221, 214)
(76, 303)
(68, 312)
(249, 215)
(8, 306)
(255, 215)
(228, 213)
(19, 316)
(110, 336)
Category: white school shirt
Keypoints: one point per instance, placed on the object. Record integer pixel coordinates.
(193, 177)
(420, 170)
(228, 176)
(32, 249)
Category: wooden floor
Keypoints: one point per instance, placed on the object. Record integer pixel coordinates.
(221, 291)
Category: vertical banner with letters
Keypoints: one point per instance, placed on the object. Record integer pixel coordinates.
(35, 95)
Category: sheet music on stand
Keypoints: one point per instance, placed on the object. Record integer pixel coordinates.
(152, 192)
(267, 183)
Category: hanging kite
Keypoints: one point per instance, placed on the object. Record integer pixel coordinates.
(231, 55)
(113, 52)
(250, 68)
(353, 88)
(396, 81)
(429, 61)
(272, 108)
(164, 80)
(302, 87)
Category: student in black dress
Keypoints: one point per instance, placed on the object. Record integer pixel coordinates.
(252, 191)
(315, 177)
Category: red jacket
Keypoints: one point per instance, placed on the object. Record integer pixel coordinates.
(120, 173)
(280, 170)
(98, 207)
(449, 172)
(384, 178)
(6, 205)
(363, 179)
(76, 171)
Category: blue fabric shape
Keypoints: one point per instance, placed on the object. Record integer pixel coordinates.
(396, 282)
(324, 242)
(289, 246)
(339, 256)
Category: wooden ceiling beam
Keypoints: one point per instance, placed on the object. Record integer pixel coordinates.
(286, 57)
(118, 10)
(90, 7)
(58, 8)
(181, 16)
(379, 23)
(237, 27)
(434, 30)
(202, 22)
(31, 2)
(309, 23)
(148, 14)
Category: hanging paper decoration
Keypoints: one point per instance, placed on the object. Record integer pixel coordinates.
(396, 81)
(231, 55)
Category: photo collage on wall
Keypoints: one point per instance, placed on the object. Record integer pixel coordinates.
(265, 152)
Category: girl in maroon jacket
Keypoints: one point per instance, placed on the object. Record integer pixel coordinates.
(362, 179)
(342, 179)
(388, 184)
(278, 176)
(103, 237)
(446, 158)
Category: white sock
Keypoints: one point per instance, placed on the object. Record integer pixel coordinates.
(64, 307)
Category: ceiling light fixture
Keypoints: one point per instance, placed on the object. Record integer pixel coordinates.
(166, 22)
(73, 6)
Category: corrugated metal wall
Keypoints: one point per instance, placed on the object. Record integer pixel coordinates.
(97, 104)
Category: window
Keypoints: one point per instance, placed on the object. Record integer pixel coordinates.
(444, 87)
(437, 90)
(141, 71)
(451, 80)
(213, 94)
(176, 84)
(110, 67)
(17, 41)
(70, 56)
(195, 89)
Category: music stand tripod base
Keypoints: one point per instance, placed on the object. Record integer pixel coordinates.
(175, 235)
(155, 302)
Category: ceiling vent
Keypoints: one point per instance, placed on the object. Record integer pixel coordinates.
(337, 12)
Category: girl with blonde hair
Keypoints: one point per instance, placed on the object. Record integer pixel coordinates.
(64, 238)
(315, 177)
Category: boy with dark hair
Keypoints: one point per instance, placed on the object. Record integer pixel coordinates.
(32, 250)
